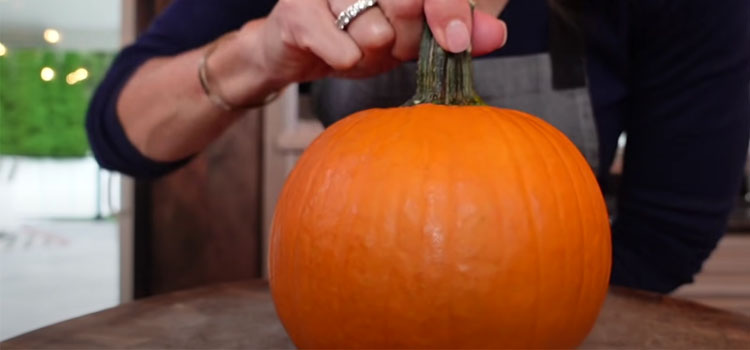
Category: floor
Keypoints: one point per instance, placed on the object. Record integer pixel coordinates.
(725, 279)
(51, 271)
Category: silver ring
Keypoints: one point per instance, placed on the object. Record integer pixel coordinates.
(347, 16)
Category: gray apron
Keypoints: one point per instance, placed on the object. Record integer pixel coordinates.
(523, 83)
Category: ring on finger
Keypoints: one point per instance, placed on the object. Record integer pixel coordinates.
(352, 12)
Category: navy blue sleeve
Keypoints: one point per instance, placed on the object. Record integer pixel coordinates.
(684, 102)
(184, 25)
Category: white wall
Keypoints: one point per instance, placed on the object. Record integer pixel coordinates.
(52, 188)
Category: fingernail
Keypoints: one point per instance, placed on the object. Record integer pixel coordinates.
(505, 39)
(457, 36)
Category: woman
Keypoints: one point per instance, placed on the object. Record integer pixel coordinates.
(674, 74)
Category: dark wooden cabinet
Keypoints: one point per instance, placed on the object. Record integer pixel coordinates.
(201, 224)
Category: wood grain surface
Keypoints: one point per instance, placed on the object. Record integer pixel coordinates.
(241, 316)
(205, 217)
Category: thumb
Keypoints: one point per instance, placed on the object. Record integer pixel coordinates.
(450, 22)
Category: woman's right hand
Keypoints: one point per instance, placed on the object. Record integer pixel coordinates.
(167, 116)
(299, 41)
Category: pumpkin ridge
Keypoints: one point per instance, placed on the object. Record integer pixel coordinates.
(312, 164)
(503, 130)
(578, 202)
(540, 128)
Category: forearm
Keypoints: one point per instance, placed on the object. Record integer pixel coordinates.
(167, 116)
(164, 110)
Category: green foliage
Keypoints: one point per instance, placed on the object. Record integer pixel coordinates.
(46, 119)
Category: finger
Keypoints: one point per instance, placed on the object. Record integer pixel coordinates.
(373, 34)
(407, 20)
(370, 30)
(450, 22)
(489, 33)
(309, 25)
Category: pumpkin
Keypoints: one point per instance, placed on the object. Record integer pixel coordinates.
(442, 224)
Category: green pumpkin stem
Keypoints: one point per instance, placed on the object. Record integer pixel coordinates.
(444, 78)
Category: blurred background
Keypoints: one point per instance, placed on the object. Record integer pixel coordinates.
(58, 237)
(75, 239)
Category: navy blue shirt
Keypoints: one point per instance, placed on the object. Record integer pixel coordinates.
(673, 74)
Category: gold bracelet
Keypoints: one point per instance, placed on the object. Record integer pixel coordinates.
(215, 96)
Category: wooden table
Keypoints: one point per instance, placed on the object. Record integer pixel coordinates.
(241, 315)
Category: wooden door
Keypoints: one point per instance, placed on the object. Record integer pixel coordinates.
(201, 224)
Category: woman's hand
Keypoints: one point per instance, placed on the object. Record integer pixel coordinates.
(167, 115)
(299, 41)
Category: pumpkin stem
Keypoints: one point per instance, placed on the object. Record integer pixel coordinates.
(444, 78)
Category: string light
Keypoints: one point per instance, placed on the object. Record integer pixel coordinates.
(47, 74)
(77, 76)
(52, 36)
(3, 50)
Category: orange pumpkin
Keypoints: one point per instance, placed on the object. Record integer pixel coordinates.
(438, 226)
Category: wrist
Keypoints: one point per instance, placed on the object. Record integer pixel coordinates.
(238, 76)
